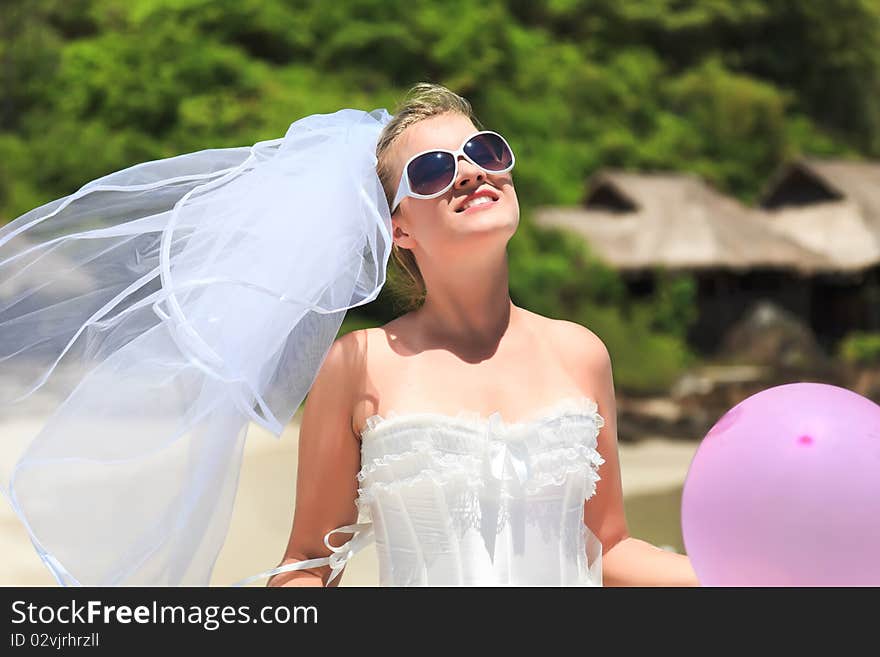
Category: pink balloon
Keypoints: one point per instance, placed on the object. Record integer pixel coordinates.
(784, 490)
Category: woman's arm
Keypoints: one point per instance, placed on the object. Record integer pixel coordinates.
(633, 562)
(626, 561)
(328, 462)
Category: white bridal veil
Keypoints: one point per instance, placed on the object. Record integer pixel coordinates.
(165, 307)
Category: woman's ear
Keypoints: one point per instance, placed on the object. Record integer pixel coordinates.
(401, 236)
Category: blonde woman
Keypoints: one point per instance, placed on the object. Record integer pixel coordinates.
(473, 439)
(184, 299)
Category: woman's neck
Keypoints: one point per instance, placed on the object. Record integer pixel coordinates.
(467, 310)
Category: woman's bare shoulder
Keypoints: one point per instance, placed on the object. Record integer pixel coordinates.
(387, 341)
(571, 338)
(348, 351)
(352, 354)
(375, 369)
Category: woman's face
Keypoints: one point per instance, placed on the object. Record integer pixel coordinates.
(439, 225)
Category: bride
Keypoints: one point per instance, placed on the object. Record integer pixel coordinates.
(175, 302)
(473, 440)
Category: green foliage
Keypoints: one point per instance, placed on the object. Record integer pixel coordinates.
(553, 272)
(355, 321)
(726, 89)
(861, 348)
(644, 361)
(673, 306)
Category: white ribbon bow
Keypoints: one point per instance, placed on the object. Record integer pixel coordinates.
(506, 463)
(509, 457)
(363, 536)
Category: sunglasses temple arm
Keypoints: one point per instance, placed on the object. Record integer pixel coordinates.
(402, 191)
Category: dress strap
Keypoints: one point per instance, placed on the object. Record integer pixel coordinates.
(363, 536)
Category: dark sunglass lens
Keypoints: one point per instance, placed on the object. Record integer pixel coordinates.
(489, 151)
(431, 172)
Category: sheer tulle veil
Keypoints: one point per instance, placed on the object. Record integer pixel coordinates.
(166, 307)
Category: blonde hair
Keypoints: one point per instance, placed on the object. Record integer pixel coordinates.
(421, 102)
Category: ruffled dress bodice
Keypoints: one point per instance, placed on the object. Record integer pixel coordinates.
(467, 500)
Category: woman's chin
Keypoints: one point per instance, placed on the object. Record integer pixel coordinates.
(498, 227)
(485, 218)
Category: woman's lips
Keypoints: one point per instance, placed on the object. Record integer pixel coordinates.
(478, 207)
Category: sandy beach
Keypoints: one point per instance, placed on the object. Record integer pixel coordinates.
(264, 506)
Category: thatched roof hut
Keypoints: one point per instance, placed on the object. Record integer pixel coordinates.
(829, 205)
(643, 220)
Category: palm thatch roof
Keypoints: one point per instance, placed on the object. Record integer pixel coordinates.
(829, 205)
(644, 220)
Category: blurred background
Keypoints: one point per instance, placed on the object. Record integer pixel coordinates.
(699, 181)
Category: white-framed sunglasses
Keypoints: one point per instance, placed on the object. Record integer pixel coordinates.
(431, 173)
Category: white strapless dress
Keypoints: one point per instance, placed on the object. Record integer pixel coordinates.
(465, 500)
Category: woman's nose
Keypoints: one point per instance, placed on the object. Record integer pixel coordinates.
(468, 173)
